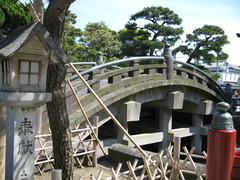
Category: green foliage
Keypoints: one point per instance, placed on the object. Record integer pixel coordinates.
(135, 41)
(83, 46)
(71, 35)
(163, 25)
(205, 44)
(215, 76)
(2, 17)
(13, 14)
(97, 37)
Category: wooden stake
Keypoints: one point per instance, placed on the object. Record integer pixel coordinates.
(109, 112)
(177, 149)
(113, 173)
(34, 12)
(131, 171)
(146, 164)
(133, 167)
(100, 174)
(85, 115)
(118, 168)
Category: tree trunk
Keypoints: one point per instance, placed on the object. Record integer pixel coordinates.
(57, 112)
(58, 120)
(55, 17)
(155, 36)
(193, 53)
(197, 49)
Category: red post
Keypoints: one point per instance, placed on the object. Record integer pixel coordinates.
(221, 144)
(236, 166)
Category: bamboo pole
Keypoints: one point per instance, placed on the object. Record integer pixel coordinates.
(100, 174)
(132, 166)
(92, 177)
(85, 115)
(141, 177)
(163, 169)
(177, 149)
(95, 143)
(34, 12)
(131, 171)
(118, 168)
(113, 173)
(109, 112)
(192, 162)
(186, 160)
(146, 164)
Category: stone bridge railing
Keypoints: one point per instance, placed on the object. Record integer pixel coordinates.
(116, 71)
(136, 72)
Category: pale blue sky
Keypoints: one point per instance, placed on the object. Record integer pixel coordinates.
(116, 13)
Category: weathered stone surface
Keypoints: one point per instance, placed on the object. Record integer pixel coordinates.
(19, 37)
(145, 138)
(149, 87)
(122, 153)
(206, 107)
(175, 100)
(20, 145)
(131, 111)
(24, 99)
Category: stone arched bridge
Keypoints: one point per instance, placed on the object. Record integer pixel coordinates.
(155, 99)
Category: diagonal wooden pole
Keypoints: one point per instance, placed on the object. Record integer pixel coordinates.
(85, 115)
(34, 12)
(108, 111)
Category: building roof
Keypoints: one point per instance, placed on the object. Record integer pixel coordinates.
(14, 41)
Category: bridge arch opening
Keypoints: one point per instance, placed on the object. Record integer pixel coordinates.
(182, 123)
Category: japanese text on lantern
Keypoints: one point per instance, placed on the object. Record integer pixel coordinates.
(25, 146)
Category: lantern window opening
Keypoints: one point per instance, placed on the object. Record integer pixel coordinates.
(29, 72)
(5, 71)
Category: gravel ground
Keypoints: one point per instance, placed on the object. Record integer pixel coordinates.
(86, 172)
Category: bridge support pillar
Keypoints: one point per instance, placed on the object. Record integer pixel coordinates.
(129, 111)
(120, 134)
(175, 100)
(197, 121)
(165, 124)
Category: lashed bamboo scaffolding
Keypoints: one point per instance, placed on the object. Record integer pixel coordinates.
(85, 116)
(108, 111)
(150, 169)
(44, 151)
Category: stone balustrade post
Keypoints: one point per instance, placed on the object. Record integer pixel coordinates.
(167, 53)
(99, 58)
(100, 61)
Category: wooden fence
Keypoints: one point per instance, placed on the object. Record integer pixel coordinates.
(84, 148)
(168, 167)
(171, 164)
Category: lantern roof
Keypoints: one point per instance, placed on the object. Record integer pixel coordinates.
(19, 37)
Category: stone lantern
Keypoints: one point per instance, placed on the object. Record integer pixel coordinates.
(24, 58)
